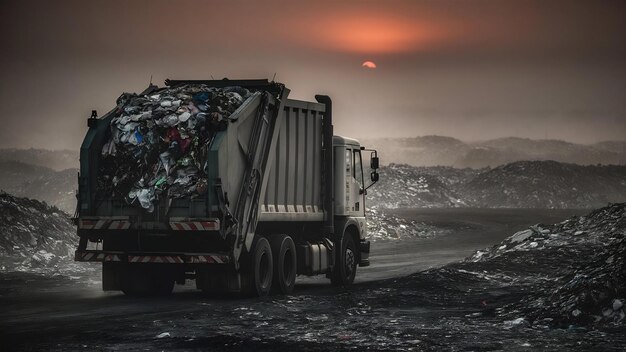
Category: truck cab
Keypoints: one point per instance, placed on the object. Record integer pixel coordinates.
(350, 190)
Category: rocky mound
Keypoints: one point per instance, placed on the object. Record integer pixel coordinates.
(35, 237)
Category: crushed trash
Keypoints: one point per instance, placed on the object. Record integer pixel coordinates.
(585, 285)
(37, 238)
(382, 225)
(159, 142)
(163, 335)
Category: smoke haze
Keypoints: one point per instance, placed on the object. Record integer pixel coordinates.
(471, 70)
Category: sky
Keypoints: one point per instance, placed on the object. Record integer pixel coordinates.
(473, 70)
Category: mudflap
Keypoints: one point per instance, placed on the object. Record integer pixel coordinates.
(364, 250)
(217, 280)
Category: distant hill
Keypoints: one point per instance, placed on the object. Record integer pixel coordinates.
(547, 184)
(53, 159)
(447, 151)
(523, 184)
(38, 182)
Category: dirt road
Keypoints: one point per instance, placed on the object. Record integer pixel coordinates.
(378, 313)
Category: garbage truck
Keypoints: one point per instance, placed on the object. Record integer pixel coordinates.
(226, 182)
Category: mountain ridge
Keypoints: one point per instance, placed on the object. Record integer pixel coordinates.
(436, 150)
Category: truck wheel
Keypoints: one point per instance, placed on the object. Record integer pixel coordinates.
(346, 261)
(258, 268)
(284, 251)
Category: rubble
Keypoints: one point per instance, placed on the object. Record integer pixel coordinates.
(575, 270)
(158, 142)
(384, 226)
(36, 238)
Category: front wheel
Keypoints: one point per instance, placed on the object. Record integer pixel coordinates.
(345, 262)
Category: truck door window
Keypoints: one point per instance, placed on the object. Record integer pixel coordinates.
(358, 169)
(348, 161)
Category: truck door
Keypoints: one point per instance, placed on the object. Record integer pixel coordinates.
(353, 182)
(349, 195)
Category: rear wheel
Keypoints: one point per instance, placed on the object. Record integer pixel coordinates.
(345, 262)
(284, 253)
(257, 268)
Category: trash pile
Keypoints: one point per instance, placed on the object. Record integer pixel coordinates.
(384, 226)
(406, 186)
(594, 293)
(158, 142)
(575, 271)
(36, 238)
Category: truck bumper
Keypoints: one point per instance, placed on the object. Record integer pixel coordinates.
(164, 258)
(364, 250)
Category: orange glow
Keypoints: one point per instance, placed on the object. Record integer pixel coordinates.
(378, 35)
(368, 64)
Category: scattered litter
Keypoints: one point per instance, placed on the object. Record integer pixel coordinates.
(163, 335)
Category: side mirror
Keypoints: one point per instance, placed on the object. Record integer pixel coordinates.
(374, 176)
(374, 163)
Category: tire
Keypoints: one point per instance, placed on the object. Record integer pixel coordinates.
(140, 281)
(285, 263)
(346, 262)
(258, 269)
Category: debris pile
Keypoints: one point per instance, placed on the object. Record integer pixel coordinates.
(36, 238)
(383, 226)
(575, 270)
(592, 295)
(158, 142)
(405, 186)
(595, 292)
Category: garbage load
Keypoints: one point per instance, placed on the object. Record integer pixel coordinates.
(158, 142)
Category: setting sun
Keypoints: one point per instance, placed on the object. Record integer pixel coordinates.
(368, 64)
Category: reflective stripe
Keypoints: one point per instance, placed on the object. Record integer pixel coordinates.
(165, 259)
(86, 224)
(111, 223)
(177, 225)
(155, 259)
(112, 258)
(208, 259)
(100, 224)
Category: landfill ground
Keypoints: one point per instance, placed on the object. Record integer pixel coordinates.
(396, 304)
